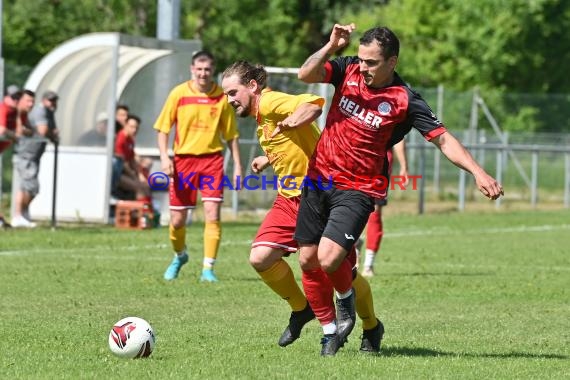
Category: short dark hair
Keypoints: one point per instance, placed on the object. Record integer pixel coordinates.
(202, 55)
(246, 72)
(385, 38)
(29, 93)
(122, 107)
(134, 117)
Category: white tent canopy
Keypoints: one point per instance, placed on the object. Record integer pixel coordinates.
(92, 74)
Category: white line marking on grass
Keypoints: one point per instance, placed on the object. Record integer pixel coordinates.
(482, 231)
(425, 232)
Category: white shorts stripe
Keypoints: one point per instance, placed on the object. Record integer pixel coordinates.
(274, 245)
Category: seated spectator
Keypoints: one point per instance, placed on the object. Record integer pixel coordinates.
(96, 136)
(131, 183)
(121, 115)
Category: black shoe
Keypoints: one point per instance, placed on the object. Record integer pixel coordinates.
(297, 320)
(345, 317)
(371, 338)
(331, 343)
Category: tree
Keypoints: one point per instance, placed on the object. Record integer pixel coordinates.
(34, 27)
(513, 45)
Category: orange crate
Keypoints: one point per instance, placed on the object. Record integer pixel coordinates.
(133, 215)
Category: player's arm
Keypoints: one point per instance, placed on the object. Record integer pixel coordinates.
(259, 164)
(313, 70)
(233, 145)
(165, 161)
(460, 157)
(400, 153)
(305, 114)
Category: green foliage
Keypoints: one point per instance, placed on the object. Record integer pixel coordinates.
(513, 45)
(34, 27)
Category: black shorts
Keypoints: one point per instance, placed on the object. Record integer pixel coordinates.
(381, 201)
(339, 215)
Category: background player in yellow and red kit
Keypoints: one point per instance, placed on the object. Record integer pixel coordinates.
(375, 227)
(289, 154)
(201, 116)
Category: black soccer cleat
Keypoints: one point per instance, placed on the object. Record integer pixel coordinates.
(331, 344)
(297, 320)
(372, 338)
(345, 317)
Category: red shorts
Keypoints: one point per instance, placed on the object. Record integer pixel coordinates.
(278, 227)
(202, 173)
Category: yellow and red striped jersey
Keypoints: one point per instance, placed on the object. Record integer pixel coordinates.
(200, 120)
(289, 152)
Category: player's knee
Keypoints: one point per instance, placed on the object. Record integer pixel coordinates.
(328, 265)
(177, 220)
(308, 262)
(259, 259)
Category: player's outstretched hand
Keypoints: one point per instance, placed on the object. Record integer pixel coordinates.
(489, 186)
(340, 35)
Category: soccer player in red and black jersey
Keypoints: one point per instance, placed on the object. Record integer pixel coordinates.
(372, 109)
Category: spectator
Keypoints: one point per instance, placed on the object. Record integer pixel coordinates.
(8, 126)
(129, 183)
(98, 135)
(27, 169)
(121, 116)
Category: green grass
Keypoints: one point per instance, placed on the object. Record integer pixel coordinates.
(463, 296)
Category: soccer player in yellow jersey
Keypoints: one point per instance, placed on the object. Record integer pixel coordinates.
(201, 117)
(289, 153)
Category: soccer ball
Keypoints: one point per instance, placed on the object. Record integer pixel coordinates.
(132, 338)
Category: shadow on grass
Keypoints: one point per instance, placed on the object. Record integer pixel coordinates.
(418, 351)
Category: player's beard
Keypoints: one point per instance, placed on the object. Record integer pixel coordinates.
(243, 111)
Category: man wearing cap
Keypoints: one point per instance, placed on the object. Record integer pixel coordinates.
(9, 116)
(30, 148)
(8, 126)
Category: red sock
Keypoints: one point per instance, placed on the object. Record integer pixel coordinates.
(341, 278)
(374, 231)
(319, 293)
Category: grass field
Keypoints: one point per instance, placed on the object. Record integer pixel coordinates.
(463, 296)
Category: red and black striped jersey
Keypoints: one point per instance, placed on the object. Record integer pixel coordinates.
(363, 123)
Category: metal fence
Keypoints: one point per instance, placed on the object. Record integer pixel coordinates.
(530, 174)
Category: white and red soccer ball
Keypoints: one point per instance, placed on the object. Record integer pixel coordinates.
(132, 338)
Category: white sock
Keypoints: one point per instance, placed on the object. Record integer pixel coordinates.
(208, 262)
(369, 257)
(329, 328)
(342, 296)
